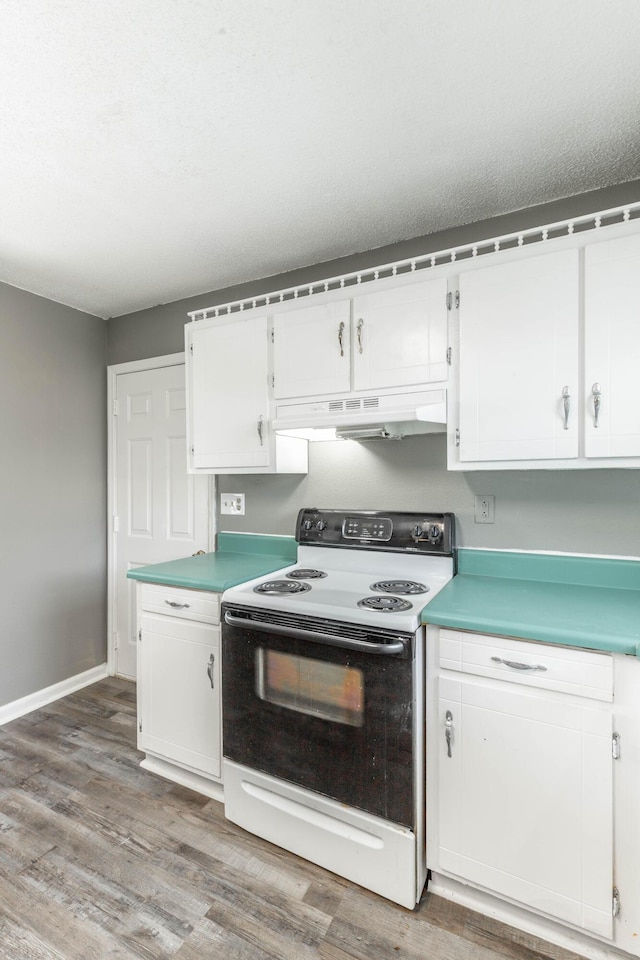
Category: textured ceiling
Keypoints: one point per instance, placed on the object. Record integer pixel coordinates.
(162, 148)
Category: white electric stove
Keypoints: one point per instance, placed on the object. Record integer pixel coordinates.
(323, 695)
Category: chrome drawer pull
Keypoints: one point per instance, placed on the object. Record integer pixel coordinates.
(448, 730)
(519, 666)
(596, 392)
(566, 405)
(210, 669)
(176, 605)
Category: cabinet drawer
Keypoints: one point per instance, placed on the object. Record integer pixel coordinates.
(546, 666)
(180, 602)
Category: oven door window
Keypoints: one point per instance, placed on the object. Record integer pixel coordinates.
(329, 691)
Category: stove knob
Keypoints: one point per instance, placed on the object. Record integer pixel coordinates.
(321, 525)
(417, 532)
(307, 524)
(435, 533)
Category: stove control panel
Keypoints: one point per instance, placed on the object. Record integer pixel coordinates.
(396, 531)
(361, 528)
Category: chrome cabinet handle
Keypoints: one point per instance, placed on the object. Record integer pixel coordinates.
(210, 669)
(515, 665)
(596, 392)
(566, 404)
(340, 336)
(174, 603)
(448, 730)
(260, 424)
(359, 329)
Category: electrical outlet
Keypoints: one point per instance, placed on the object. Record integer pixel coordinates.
(485, 508)
(232, 503)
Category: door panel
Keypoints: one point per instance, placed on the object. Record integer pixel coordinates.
(312, 350)
(526, 797)
(612, 347)
(518, 351)
(229, 383)
(163, 512)
(400, 336)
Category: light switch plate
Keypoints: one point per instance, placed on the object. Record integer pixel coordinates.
(232, 503)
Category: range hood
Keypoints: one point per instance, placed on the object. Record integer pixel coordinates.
(364, 416)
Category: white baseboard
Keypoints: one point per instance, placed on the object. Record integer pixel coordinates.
(18, 708)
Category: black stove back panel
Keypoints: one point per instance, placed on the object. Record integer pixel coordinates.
(391, 531)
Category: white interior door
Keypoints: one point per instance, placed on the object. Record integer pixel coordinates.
(160, 511)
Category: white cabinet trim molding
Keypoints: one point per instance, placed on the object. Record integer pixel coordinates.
(585, 224)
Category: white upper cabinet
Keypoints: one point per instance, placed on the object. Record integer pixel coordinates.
(312, 351)
(518, 360)
(228, 394)
(400, 336)
(389, 338)
(612, 348)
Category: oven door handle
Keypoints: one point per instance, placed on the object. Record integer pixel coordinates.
(385, 649)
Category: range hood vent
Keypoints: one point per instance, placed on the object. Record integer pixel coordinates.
(396, 414)
(379, 431)
(352, 404)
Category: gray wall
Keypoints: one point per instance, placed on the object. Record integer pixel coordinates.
(590, 511)
(52, 492)
(582, 511)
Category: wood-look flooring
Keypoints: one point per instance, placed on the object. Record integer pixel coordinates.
(100, 860)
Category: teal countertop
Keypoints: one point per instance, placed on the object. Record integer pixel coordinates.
(573, 600)
(240, 557)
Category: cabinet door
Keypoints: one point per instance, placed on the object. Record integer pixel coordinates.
(525, 799)
(518, 355)
(612, 347)
(312, 349)
(228, 394)
(400, 336)
(179, 699)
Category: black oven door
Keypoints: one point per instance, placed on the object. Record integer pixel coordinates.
(327, 706)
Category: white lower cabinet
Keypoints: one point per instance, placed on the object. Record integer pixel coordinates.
(520, 783)
(179, 677)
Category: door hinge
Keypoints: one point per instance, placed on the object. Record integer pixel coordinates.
(453, 299)
(615, 902)
(191, 349)
(140, 726)
(193, 450)
(615, 746)
(140, 635)
(273, 379)
(449, 355)
(115, 641)
(115, 408)
(116, 524)
(273, 335)
(457, 437)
